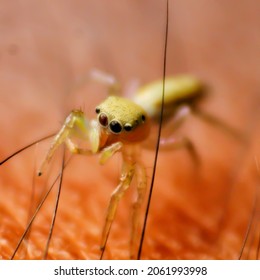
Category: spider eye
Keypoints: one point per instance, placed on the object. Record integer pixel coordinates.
(128, 127)
(115, 127)
(143, 118)
(97, 110)
(103, 120)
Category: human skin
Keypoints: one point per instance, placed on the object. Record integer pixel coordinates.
(197, 212)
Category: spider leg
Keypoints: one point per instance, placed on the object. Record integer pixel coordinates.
(106, 79)
(141, 189)
(175, 143)
(169, 142)
(74, 124)
(212, 120)
(181, 114)
(109, 151)
(127, 173)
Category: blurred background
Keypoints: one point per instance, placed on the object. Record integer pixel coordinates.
(47, 50)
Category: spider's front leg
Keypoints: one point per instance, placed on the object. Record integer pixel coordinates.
(127, 173)
(141, 190)
(75, 125)
(131, 166)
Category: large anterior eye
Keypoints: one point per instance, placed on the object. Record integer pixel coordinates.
(103, 120)
(115, 126)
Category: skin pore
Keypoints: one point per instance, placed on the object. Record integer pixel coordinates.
(197, 212)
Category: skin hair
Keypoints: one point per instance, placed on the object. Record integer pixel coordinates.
(197, 212)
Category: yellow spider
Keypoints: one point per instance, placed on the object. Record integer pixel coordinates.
(124, 125)
(121, 126)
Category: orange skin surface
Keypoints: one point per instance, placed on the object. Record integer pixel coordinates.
(197, 212)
